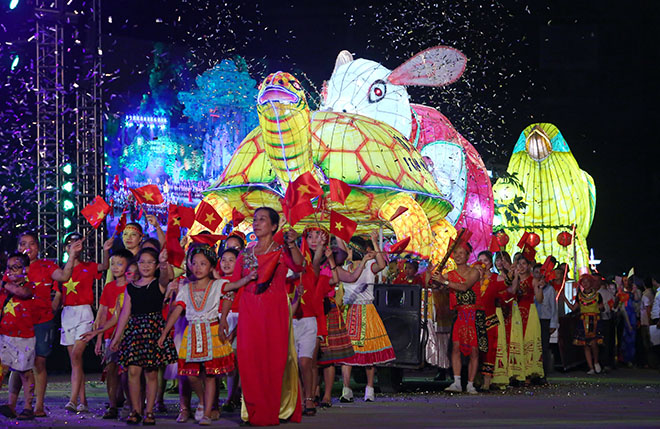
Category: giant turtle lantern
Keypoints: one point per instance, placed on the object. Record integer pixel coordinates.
(375, 159)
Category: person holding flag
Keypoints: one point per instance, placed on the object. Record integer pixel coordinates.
(265, 347)
(370, 341)
(77, 315)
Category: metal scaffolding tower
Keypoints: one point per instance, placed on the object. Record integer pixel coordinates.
(50, 124)
(89, 135)
(69, 118)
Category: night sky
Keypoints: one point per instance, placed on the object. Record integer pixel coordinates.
(589, 67)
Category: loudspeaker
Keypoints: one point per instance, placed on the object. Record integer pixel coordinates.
(399, 306)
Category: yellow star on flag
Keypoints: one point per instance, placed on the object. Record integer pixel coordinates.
(210, 218)
(177, 221)
(71, 286)
(100, 214)
(10, 306)
(339, 226)
(304, 189)
(148, 196)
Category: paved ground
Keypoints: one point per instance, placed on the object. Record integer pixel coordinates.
(624, 398)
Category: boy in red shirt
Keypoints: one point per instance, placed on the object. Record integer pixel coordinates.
(110, 303)
(77, 316)
(43, 273)
(17, 341)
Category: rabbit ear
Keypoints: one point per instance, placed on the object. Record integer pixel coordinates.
(437, 66)
(344, 57)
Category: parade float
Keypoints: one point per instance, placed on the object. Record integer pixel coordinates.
(559, 198)
(384, 171)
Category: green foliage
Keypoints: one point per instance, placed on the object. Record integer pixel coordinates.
(511, 210)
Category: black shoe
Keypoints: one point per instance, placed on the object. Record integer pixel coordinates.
(6, 411)
(111, 414)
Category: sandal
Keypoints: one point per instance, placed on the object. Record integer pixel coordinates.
(215, 415)
(40, 413)
(309, 411)
(134, 418)
(199, 413)
(184, 415)
(149, 419)
(229, 406)
(26, 414)
(325, 404)
(205, 421)
(111, 414)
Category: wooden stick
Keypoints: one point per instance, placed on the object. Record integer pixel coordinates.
(450, 250)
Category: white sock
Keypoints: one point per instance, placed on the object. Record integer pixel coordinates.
(470, 385)
(457, 380)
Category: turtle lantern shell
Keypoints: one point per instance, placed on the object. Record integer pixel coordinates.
(376, 160)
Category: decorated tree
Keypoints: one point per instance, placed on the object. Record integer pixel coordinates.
(223, 107)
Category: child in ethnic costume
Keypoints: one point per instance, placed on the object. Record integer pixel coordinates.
(588, 332)
(370, 341)
(226, 266)
(489, 290)
(332, 338)
(201, 347)
(142, 318)
(526, 290)
(17, 339)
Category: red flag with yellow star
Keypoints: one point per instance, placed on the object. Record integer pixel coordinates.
(304, 188)
(339, 190)
(207, 216)
(121, 224)
(149, 194)
(175, 253)
(180, 216)
(236, 217)
(295, 213)
(400, 246)
(341, 226)
(96, 211)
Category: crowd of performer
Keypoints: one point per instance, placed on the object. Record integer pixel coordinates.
(306, 307)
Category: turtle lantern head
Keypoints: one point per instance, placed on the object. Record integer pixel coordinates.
(285, 123)
(282, 89)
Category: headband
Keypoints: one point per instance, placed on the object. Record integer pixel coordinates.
(133, 227)
(206, 250)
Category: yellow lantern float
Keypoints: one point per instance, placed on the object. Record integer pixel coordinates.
(557, 192)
